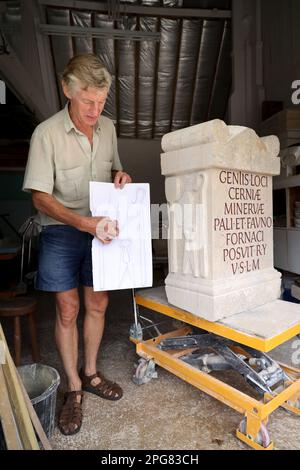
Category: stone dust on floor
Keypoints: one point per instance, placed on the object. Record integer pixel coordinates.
(164, 414)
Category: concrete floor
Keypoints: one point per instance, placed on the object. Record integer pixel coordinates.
(166, 413)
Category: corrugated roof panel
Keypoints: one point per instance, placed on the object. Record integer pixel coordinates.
(167, 66)
(187, 64)
(211, 39)
(183, 79)
(223, 79)
(84, 20)
(62, 47)
(146, 79)
(125, 87)
(105, 48)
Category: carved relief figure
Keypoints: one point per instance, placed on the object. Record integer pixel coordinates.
(132, 219)
(194, 225)
(174, 191)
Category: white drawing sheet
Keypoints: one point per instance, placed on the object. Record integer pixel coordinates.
(126, 262)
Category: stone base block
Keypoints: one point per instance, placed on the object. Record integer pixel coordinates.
(213, 300)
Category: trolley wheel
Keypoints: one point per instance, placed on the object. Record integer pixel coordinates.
(141, 368)
(145, 371)
(263, 436)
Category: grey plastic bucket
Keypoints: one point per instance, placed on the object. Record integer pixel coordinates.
(41, 382)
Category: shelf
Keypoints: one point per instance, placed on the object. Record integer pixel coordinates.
(284, 183)
(293, 229)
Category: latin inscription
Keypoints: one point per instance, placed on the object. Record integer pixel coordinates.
(244, 220)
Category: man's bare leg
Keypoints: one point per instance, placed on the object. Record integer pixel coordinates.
(66, 334)
(94, 320)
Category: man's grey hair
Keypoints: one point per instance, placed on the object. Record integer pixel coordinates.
(86, 70)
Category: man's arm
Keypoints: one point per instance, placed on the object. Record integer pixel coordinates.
(47, 204)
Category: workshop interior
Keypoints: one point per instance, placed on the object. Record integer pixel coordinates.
(203, 332)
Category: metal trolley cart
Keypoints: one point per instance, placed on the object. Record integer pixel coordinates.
(238, 343)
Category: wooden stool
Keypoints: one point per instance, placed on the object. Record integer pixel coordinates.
(17, 307)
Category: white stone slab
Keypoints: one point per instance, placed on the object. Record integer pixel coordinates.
(126, 262)
(266, 321)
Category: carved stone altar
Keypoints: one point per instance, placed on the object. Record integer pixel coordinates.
(219, 191)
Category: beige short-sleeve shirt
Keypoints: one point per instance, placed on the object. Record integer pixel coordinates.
(62, 162)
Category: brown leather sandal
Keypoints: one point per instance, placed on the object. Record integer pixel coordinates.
(104, 389)
(70, 418)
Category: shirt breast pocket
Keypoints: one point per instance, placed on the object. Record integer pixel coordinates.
(72, 183)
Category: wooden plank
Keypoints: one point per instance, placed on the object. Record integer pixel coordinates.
(2, 352)
(21, 415)
(34, 418)
(10, 429)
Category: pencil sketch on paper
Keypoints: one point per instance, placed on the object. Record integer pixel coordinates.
(126, 262)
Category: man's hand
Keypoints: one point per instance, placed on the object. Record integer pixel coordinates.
(103, 228)
(107, 229)
(121, 178)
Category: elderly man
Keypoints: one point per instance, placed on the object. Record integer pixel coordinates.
(73, 147)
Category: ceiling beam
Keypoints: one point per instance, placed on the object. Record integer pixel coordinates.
(79, 31)
(142, 10)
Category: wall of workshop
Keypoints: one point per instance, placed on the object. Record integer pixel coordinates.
(281, 48)
(141, 159)
(13, 201)
(266, 57)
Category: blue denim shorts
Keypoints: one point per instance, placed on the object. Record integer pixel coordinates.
(65, 259)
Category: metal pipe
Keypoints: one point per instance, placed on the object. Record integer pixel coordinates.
(135, 309)
(152, 325)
